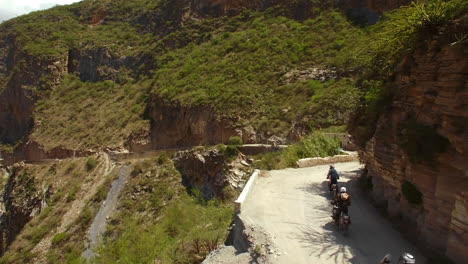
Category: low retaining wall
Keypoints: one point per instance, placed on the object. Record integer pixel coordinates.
(310, 162)
(245, 192)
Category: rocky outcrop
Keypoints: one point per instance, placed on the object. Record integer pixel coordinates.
(209, 171)
(21, 200)
(431, 88)
(203, 170)
(23, 76)
(175, 126)
(96, 64)
(316, 74)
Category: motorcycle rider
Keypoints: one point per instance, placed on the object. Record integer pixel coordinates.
(342, 200)
(333, 176)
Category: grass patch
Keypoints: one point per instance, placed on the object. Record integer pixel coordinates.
(87, 115)
(59, 238)
(186, 233)
(162, 222)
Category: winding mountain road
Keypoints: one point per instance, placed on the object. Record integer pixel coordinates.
(293, 207)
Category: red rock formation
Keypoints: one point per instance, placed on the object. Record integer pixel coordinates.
(431, 86)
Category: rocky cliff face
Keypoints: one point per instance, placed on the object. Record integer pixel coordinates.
(174, 126)
(431, 87)
(21, 200)
(210, 171)
(22, 76)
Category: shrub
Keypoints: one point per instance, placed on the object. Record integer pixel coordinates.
(235, 141)
(421, 142)
(163, 158)
(85, 218)
(72, 193)
(314, 145)
(231, 151)
(58, 238)
(411, 193)
(91, 163)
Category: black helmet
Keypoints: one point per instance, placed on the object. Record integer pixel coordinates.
(332, 166)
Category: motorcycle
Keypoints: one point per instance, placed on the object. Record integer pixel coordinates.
(405, 258)
(343, 221)
(334, 190)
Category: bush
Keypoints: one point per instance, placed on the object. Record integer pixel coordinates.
(421, 142)
(72, 193)
(91, 163)
(235, 141)
(163, 158)
(411, 193)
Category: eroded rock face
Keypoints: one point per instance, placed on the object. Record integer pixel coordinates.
(316, 74)
(209, 171)
(21, 76)
(21, 200)
(175, 126)
(203, 170)
(431, 86)
(96, 64)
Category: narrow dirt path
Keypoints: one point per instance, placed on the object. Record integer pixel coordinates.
(88, 190)
(293, 207)
(98, 227)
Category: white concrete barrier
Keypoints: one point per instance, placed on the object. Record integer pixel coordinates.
(310, 162)
(245, 192)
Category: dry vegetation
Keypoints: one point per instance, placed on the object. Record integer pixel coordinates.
(66, 182)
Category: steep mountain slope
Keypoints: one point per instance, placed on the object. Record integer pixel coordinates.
(101, 74)
(104, 77)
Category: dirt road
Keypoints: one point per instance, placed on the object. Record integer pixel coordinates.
(293, 207)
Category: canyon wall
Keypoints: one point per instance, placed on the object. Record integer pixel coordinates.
(176, 126)
(431, 87)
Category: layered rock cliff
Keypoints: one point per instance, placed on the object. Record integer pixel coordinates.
(430, 89)
(21, 200)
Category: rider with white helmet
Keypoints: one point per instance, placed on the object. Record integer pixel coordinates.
(343, 200)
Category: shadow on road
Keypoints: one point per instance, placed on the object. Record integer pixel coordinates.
(328, 243)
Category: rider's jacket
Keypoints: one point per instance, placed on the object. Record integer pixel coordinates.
(333, 174)
(343, 200)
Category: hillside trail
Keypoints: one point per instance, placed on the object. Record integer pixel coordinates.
(98, 227)
(293, 207)
(88, 190)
